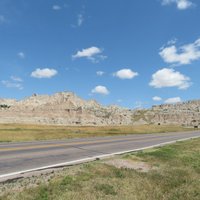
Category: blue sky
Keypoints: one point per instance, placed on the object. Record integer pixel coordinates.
(130, 53)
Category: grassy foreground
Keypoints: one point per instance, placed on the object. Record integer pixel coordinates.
(174, 175)
(17, 132)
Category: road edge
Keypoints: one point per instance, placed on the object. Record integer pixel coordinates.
(18, 174)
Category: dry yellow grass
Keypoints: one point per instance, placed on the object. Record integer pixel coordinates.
(22, 132)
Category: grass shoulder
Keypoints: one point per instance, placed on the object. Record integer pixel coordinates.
(171, 172)
(22, 132)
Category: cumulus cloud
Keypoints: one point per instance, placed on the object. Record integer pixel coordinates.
(180, 4)
(125, 74)
(169, 78)
(56, 7)
(173, 100)
(182, 55)
(89, 52)
(43, 73)
(92, 53)
(156, 98)
(100, 90)
(100, 73)
(172, 41)
(14, 82)
(21, 55)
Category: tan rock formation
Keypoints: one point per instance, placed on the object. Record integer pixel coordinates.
(186, 114)
(63, 108)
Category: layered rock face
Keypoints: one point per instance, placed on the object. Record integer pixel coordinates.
(186, 114)
(66, 108)
(63, 108)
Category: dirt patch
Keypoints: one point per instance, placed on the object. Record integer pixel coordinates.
(130, 164)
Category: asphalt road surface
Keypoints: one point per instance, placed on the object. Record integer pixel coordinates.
(19, 158)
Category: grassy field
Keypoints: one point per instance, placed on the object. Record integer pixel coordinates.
(174, 173)
(17, 132)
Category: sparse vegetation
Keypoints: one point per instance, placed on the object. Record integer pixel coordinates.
(17, 132)
(4, 106)
(175, 174)
(140, 114)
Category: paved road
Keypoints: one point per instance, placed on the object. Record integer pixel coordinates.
(16, 158)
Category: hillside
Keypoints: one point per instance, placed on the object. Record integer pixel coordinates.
(185, 114)
(65, 108)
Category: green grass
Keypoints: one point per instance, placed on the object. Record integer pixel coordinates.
(20, 132)
(105, 189)
(175, 176)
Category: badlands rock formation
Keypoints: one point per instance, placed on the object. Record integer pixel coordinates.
(63, 108)
(185, 114)
(66, 108)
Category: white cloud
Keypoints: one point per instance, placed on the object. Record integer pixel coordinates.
(139, 105)
(125, 74)
(156, 98)
(92, 53)
(10, 84)
(184, 4)
(182, 55)
(89, 52)
(100, 73)
(56, 7)
(43, 73)
(15, 78)
(21, 55)
(15, 82)
(169, 78)
(172, 41)
(100, 90)
(173, 100)
(180, 4)
(80, 19)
